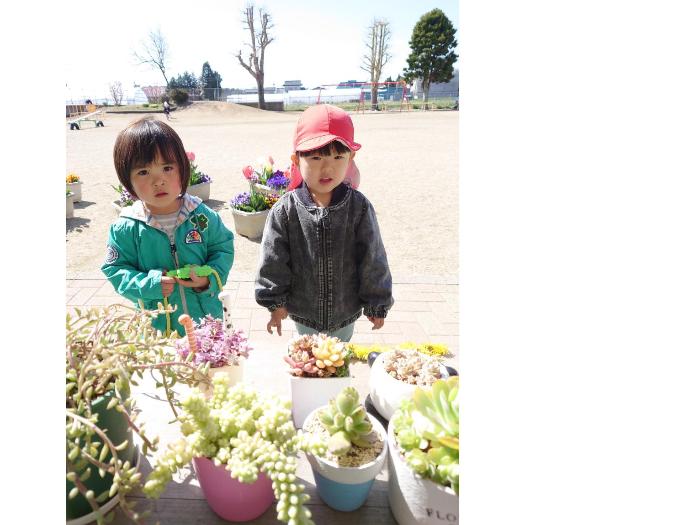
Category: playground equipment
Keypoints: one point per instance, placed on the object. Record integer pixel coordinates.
(86, 113)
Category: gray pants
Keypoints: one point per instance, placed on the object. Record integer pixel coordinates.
(344, 333)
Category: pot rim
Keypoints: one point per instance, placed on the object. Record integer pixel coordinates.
(246, 213)
(376, 425)
(443, 371)
(299, 378)
(399, 453)
(199, 184)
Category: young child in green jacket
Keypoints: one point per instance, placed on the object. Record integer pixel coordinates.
(165, 229)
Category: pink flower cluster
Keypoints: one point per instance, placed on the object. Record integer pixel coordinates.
(214, 346)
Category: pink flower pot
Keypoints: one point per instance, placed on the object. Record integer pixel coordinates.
(229, 498)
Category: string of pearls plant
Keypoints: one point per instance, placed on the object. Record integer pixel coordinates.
(248, 432)
(106, 349)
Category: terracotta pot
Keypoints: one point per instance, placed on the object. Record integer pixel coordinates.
(229, 498)
(415, 500)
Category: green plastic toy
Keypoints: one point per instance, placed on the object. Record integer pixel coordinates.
(184, 273)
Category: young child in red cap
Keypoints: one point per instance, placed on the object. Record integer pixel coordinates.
(322, 260)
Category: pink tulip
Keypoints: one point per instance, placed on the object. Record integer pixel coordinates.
(248, 172)
(190, 156)
(288, 173)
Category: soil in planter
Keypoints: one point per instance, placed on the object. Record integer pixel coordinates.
(412, 367)
(356, 456)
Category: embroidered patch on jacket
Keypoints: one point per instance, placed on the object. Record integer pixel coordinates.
(193, 237)
(201, 221)
(112, 254)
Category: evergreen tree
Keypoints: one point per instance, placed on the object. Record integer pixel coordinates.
(432, 55)
(211, 82)
(185, 80)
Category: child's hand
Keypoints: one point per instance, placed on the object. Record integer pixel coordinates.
(377, 322)
(167, 285)
(195, 281)
(276, 319)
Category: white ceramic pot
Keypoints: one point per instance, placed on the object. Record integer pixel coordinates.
(234, 372)
(201, 190)
(249, 224)
(414, 500)
(69, 205)
(387, 392)
(346, 488)
(309, 393)
(77, 189)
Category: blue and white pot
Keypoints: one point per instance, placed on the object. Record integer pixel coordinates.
(346, 488)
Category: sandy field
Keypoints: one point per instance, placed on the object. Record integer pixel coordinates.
(408, 162)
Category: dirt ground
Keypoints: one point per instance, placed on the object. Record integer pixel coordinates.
(408, 162)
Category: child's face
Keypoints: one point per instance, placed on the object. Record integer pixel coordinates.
(323, 173)
(157, 185)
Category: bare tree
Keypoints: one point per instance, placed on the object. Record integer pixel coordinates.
(154, 52)
(259, 40)
(377, 43)
(115, 88)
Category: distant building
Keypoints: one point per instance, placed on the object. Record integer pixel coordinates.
(349, 84)
(438, 89)
(292, 85)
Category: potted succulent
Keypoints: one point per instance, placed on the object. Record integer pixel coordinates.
(244, 448)
(249, 210)
(70, 209)
(396, 374)
(423, 437)
(209, 343)
(125, 198)
(74, 184)
(355, 453)
(319, 369)
(106, 349)
(265, 178)
(200, 183)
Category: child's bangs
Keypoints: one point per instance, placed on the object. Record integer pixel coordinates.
(332, 148)
(145, 150)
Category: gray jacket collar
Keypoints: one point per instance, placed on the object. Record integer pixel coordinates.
(339, 193)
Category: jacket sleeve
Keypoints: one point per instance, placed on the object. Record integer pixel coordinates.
(121, 266)
(274, 275)
(373, 267)
(219, 251)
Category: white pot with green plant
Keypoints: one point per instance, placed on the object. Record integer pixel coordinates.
(423, 437)
(354, 452)
(244, 447)
(395, 375)
(200, 183)
(74, 184)
(265, 178)
(107, 350)
(319, 368)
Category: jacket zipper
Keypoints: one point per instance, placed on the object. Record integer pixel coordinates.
(324, 281)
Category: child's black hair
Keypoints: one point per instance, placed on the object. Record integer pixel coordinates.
(137, 145)
(332, 147)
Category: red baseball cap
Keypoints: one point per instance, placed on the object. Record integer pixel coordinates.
(322, 124)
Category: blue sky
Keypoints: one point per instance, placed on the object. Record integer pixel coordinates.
(316, 41)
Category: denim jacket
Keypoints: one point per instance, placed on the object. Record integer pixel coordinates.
(325, 265)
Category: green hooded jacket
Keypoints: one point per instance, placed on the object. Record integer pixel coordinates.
(138, 251)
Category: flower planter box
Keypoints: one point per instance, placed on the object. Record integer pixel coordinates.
(69, 205)
(201, 190)
(250, 225)
(346, 488)
(230, 499)
(77, 189)
(309, 393)
(414, 500)
(387, 392)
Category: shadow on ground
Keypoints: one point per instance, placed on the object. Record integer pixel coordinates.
(80, 205)
(215, 205)
(77, 224)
